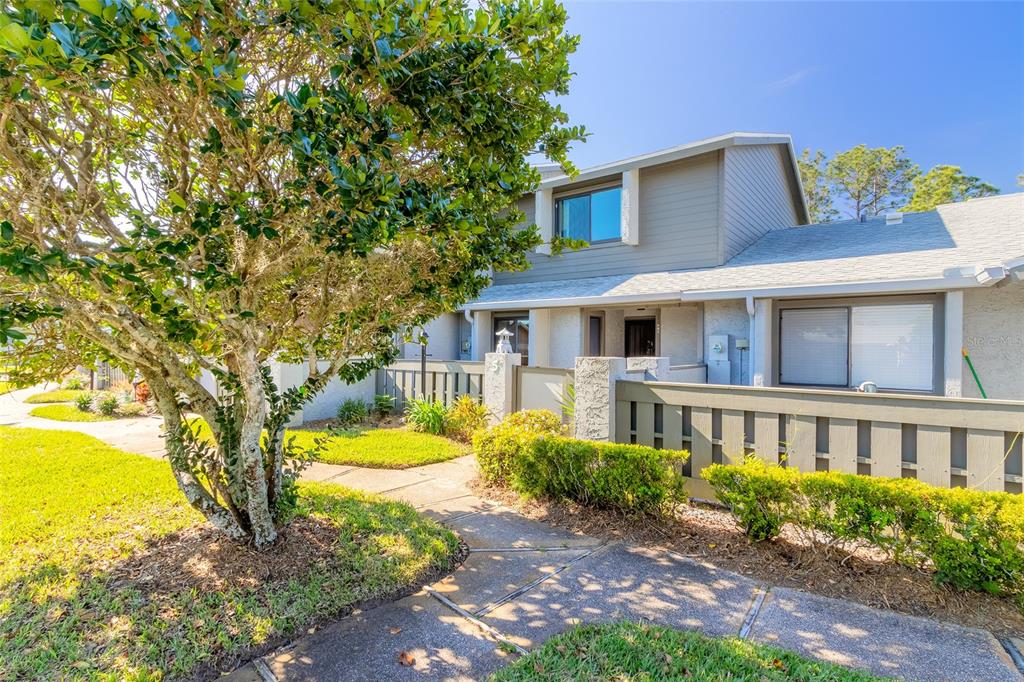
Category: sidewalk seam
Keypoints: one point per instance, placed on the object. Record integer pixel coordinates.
(1014, 652)
(753, 611)
(264, 670)
(486, 627)
(520, 591)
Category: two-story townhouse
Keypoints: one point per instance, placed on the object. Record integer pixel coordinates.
(701, 253)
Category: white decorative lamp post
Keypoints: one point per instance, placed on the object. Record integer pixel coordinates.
(504, 346)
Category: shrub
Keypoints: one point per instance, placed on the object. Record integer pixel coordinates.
(465, 417)
(426, 415)
(142, 392)
(973, 539)
(130, 409)
(498, 447)
(84, 402)
(760, 497)
(351, 412)
(382, 405)
(74, 383)
(628, 478)
(107, 404)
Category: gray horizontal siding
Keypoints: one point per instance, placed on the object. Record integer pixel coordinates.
(679, 214)
(758, 196)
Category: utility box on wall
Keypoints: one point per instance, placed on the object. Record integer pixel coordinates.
(719, 367)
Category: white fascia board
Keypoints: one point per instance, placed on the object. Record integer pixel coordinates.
(893, 286)
(671, 154)
(576, 302)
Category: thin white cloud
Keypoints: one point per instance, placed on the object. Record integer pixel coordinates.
(792, 79)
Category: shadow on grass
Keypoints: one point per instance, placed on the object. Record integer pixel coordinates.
(192, 604)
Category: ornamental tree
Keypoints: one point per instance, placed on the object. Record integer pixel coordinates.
(211, 184)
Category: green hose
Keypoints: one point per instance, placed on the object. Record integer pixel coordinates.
(974, 373)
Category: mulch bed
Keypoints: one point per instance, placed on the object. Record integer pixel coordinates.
(202, 557)
(710, 535)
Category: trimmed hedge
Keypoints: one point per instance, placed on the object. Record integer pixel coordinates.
(526, 453)
(973, 539)
(500, 446)
(629, 478)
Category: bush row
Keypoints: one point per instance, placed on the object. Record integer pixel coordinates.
(973, 539)
(527, 453)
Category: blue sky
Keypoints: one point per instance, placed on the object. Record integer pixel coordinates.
(945, 80)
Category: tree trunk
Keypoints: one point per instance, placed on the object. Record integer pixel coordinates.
(219, 516)
(251, 454)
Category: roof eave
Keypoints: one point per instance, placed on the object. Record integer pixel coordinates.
(677, 153)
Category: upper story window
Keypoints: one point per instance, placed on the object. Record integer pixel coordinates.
(593, 217)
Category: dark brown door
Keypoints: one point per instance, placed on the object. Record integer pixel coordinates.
(640, 334)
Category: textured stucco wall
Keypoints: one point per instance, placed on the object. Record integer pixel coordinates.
(680, 333)
(595, 397)
(566, 339)
(325, 404)
(614, 333)
(444, 339)
(730, 317)
(994, 336)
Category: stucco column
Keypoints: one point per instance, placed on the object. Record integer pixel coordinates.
(499, 375)
(595, 397)
(953, 363)
(655, 368)
(540, 337)
(482, 335)
(761, 347)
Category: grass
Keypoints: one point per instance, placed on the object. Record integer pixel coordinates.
(645, 653)
(60, 395)
(67, 413)
(372, 447)
(86, 525)
(383, 448)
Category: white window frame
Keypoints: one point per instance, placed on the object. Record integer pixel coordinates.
(937, 345)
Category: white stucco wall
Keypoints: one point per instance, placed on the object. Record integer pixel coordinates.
(730, 317)
(566, 337)
(994, 337)
(614, 333)
(680, 334)
(444, 342)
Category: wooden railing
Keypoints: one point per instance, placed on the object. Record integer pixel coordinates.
(444, 381)
(946, 442)
(541, 388)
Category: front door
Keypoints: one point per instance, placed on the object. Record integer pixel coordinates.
(640, 337)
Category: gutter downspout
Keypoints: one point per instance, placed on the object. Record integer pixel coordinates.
(753, 345)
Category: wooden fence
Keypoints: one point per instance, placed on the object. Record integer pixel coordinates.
(444, 381)
(542, 388)
(946, 442)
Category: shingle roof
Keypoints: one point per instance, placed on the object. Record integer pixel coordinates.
(972, 235)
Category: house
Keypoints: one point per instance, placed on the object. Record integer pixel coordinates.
(702, 254)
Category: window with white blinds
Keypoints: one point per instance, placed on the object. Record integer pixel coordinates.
(814, 346)
(892, 345)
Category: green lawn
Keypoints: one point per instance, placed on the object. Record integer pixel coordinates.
(84, 523)
(374, 448)
(645, 653)
(383, 448)
(60, 395)
(67, 413)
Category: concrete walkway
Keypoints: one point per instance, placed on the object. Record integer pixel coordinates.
(525, 581)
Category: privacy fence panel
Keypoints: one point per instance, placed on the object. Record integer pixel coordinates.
(444, 381)
(947, 442)
(543, 388)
